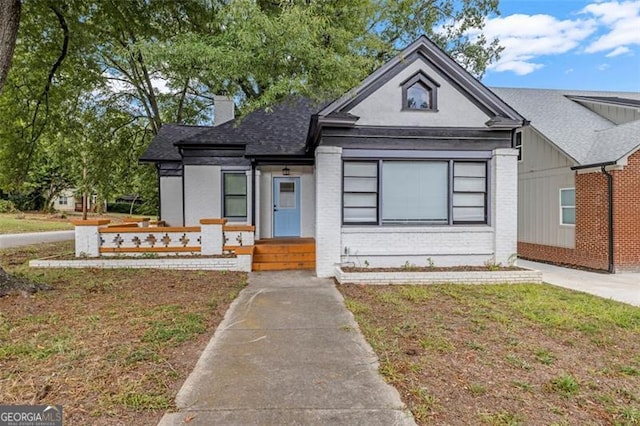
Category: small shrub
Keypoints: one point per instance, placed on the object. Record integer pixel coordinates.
(7, 206)
(565, 384)
(430, 263)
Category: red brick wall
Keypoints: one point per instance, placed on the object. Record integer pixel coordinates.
(626, 211)
(592, 223)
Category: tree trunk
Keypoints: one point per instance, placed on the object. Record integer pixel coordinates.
(9, 22)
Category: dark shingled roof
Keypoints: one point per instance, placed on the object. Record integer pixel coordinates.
(279, 131)
(282, 130)
(162, 146)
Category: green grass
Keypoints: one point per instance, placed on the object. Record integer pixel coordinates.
(10, 224)
(524, 354)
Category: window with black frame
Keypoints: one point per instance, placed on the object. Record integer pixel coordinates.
(234, 195)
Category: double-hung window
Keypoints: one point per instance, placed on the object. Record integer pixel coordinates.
(568, 206)
(414, 192)
(234, 195)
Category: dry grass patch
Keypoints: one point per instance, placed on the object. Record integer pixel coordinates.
(504, 354)
(111, 346)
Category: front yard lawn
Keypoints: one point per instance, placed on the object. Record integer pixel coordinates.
(504, 354)
(18, 223)
(111, 346)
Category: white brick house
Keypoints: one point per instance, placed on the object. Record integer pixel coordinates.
(416, 163)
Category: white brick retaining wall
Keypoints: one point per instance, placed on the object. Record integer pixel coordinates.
(461, 277)
(238, 263)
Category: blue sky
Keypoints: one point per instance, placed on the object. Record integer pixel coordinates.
(567, 44)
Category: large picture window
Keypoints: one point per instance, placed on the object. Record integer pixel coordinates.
(235, 195)
(414, 192)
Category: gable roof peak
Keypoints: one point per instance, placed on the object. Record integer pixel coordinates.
(425, 49)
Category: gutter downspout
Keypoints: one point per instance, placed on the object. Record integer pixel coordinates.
(609, 176)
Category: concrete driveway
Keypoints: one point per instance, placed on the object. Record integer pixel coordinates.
(623, 287)
(26, 239)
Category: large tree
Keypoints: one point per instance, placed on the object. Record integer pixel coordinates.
(138, 64)
(9, 22)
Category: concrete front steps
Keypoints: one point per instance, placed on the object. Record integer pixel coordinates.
(281, 254)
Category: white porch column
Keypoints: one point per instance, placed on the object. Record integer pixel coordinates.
(328, 205)
(87, 236)
(504, 206)
(211, 237)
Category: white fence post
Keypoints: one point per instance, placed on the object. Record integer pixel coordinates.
(88, 237)
(211, 236)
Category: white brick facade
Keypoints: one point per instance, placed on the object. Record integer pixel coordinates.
(328, 209)
(504, 203)
(239, 263)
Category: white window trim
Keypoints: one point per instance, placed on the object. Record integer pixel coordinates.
(561, 207)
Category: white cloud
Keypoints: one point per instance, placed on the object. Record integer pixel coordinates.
(603, 67)
(568, 71)
(622, 21)
(526, 37)
(618, 51)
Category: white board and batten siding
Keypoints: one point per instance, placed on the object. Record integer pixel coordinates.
(543, 171)
(616, 113)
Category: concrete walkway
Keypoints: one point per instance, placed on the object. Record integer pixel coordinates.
(288, 352)
(28, 238)
(623, 287)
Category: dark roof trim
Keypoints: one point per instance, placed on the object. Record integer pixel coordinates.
(590, 166)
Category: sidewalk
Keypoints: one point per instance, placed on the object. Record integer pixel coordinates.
(623, 287)
(288, 352)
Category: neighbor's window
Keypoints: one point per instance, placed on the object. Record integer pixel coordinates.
(419, 92)
(387, 192)
(235, 195)
(518, 145)
(568, 206)
(63, 200)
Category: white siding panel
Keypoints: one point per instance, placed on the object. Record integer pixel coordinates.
(617, 114)
(202, 195)
(544, 169)
(171, 200)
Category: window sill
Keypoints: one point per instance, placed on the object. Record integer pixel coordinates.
(404, 109)
(391, 229)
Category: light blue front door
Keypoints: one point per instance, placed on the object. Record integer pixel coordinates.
(286, 207)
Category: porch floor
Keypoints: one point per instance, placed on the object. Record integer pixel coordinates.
(281, 254)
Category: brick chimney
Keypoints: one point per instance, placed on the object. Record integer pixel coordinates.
(223, 109)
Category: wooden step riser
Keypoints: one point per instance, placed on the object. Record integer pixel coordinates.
(277, 249)
(283, 257)
(283, 266)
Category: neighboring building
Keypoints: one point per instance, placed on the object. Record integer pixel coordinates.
(66, 201)
(576, 145)
(415, 163)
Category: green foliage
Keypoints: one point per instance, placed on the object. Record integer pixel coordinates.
(565, 384)
(7, 206)
(83, 98)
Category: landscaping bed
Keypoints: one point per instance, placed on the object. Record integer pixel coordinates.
(504, 354)
(111, 346)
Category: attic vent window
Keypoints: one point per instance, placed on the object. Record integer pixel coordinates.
(420, 93)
